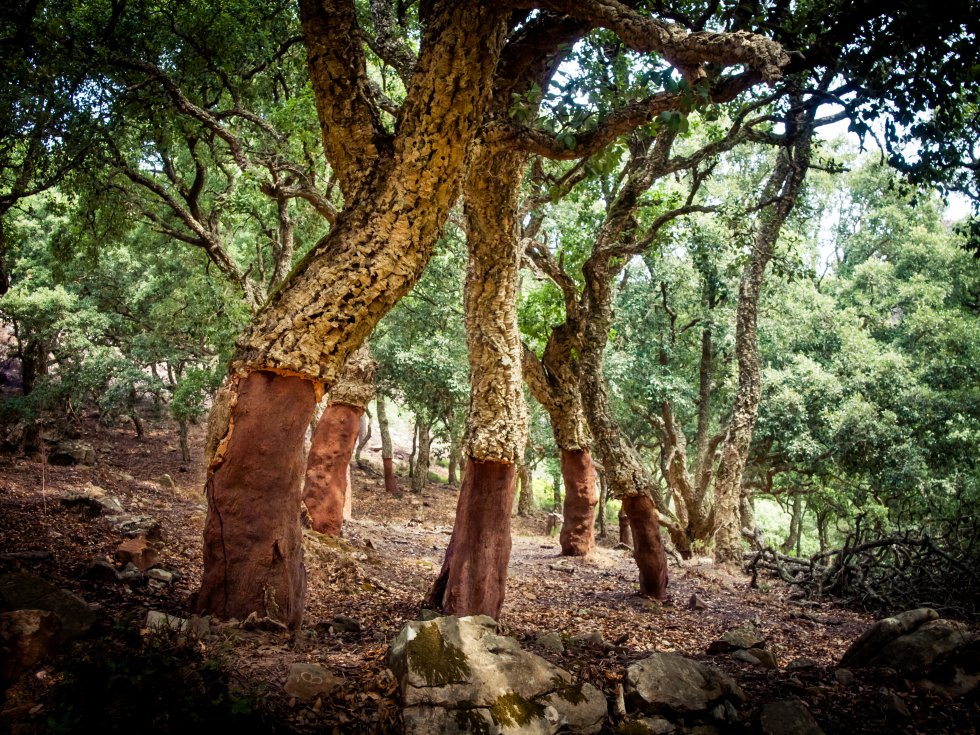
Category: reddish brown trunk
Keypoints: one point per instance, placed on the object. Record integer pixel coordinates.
(391, 484)
(253, 550)
(578, 529)
(474, 573)
(625, 536)
(326, 468)
(648, 546)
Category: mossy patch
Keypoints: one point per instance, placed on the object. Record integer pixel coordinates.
(634, 727)
(436, 661)
(512, 710)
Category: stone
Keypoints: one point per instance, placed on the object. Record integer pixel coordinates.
(160, 575)
(893, 702)
(550, 641)
(592, 638)
(166, 482)
(745, 636)
(137, 551)
(20, 591)
(199, 626)
(132, 526)
(844, 677)
(102, 571)
(344, 624)
(787, 717)
(801, 662)
(26, 636)
(667, 683)
(756, 657)
(696, 603)
(72, 452)
(160, 621)
(651, 726)
(725, 712)
(909, 643)
(459, 675)
(306, 682)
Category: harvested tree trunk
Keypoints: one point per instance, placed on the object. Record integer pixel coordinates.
(254, 494)
(648, 546)
(578, 529)
(387, 462)
(603, 498)
(327, 491)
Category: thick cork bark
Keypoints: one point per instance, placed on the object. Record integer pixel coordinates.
(253, 553)
(578, 527)
(328, 465)
(474, 573)
(648, 545)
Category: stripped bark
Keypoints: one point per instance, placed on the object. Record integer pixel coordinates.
(578, 527)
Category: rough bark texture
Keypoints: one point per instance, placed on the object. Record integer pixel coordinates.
(625, 535)
(420, 475)
(783, 187)
(391, 484)
(648, 546)
(325, 490)
(253, 553)
(578, 527)
(474, 572)
(371, 257)
(525, 499)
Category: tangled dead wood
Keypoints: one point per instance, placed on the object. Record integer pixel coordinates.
(886, 574)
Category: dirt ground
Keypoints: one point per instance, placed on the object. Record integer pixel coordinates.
(377, 574)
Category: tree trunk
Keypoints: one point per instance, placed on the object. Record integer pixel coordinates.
(625, 535)
(603, 499)
(578, 526)
(474, 572)
(783, 186)
(454, 457)
(185, 451)
(381, 242)
(648, 545)
(415, 444)
(391, 484)
(253, 551)
(525, 500)
(556, 481)
(363, 437)
(327, 489)
(420, 477)
(795, 521)
(327, 467)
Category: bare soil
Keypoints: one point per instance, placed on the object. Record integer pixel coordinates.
(377, 574)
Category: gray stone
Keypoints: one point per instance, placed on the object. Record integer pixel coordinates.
(166, 482)
(459, 675)
(756, 657)
(550, 641)
(921, 640)
(160, 575)
(592, 638)
(160, 621)
(344, 624)
(26, 636)
(725, 712)
(649, 726)
(72, 452)
(665, 683)
(844, 677)
(102, 571)
(800, 663)
(892, 702)
(866, 648)
(132, 526)
(309, 681)
(746, 635)
(26, 592)
(787, 717)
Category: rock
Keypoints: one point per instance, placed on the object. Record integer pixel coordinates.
(550, 641)
(135, 526)
(459, 675)
(344, 624)
(592, 638)
(166, 482)
(725, 712)
(892, 702)
(745, 636)
(309, 681)
(910, 642)
(756, 657)
(844, 677)
(696, 603)
(130, 573)
(649, 726)
(159, 621)
(800, 663)
(958, 674)
(160, 575)
(787, 717)
(26, 592)
(666, 683)
(71, 452)
(102, 571)
(26, 636)
(137, 551)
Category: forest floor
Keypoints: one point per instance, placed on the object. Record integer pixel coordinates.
(122, 676)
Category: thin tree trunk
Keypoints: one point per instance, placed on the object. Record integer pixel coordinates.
(556, 481)
(415, 443)
(789, 543)
(185, 451)
(421, 476)
(603, 498)
(363, 437)
(391, 484)
(625, 535)
(525, 499)
(578, 527)
(454, 447)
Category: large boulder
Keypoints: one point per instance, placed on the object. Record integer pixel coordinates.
(909, 642)
(666, 683)
(71, 452)
(26, 592)
(458, 676)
